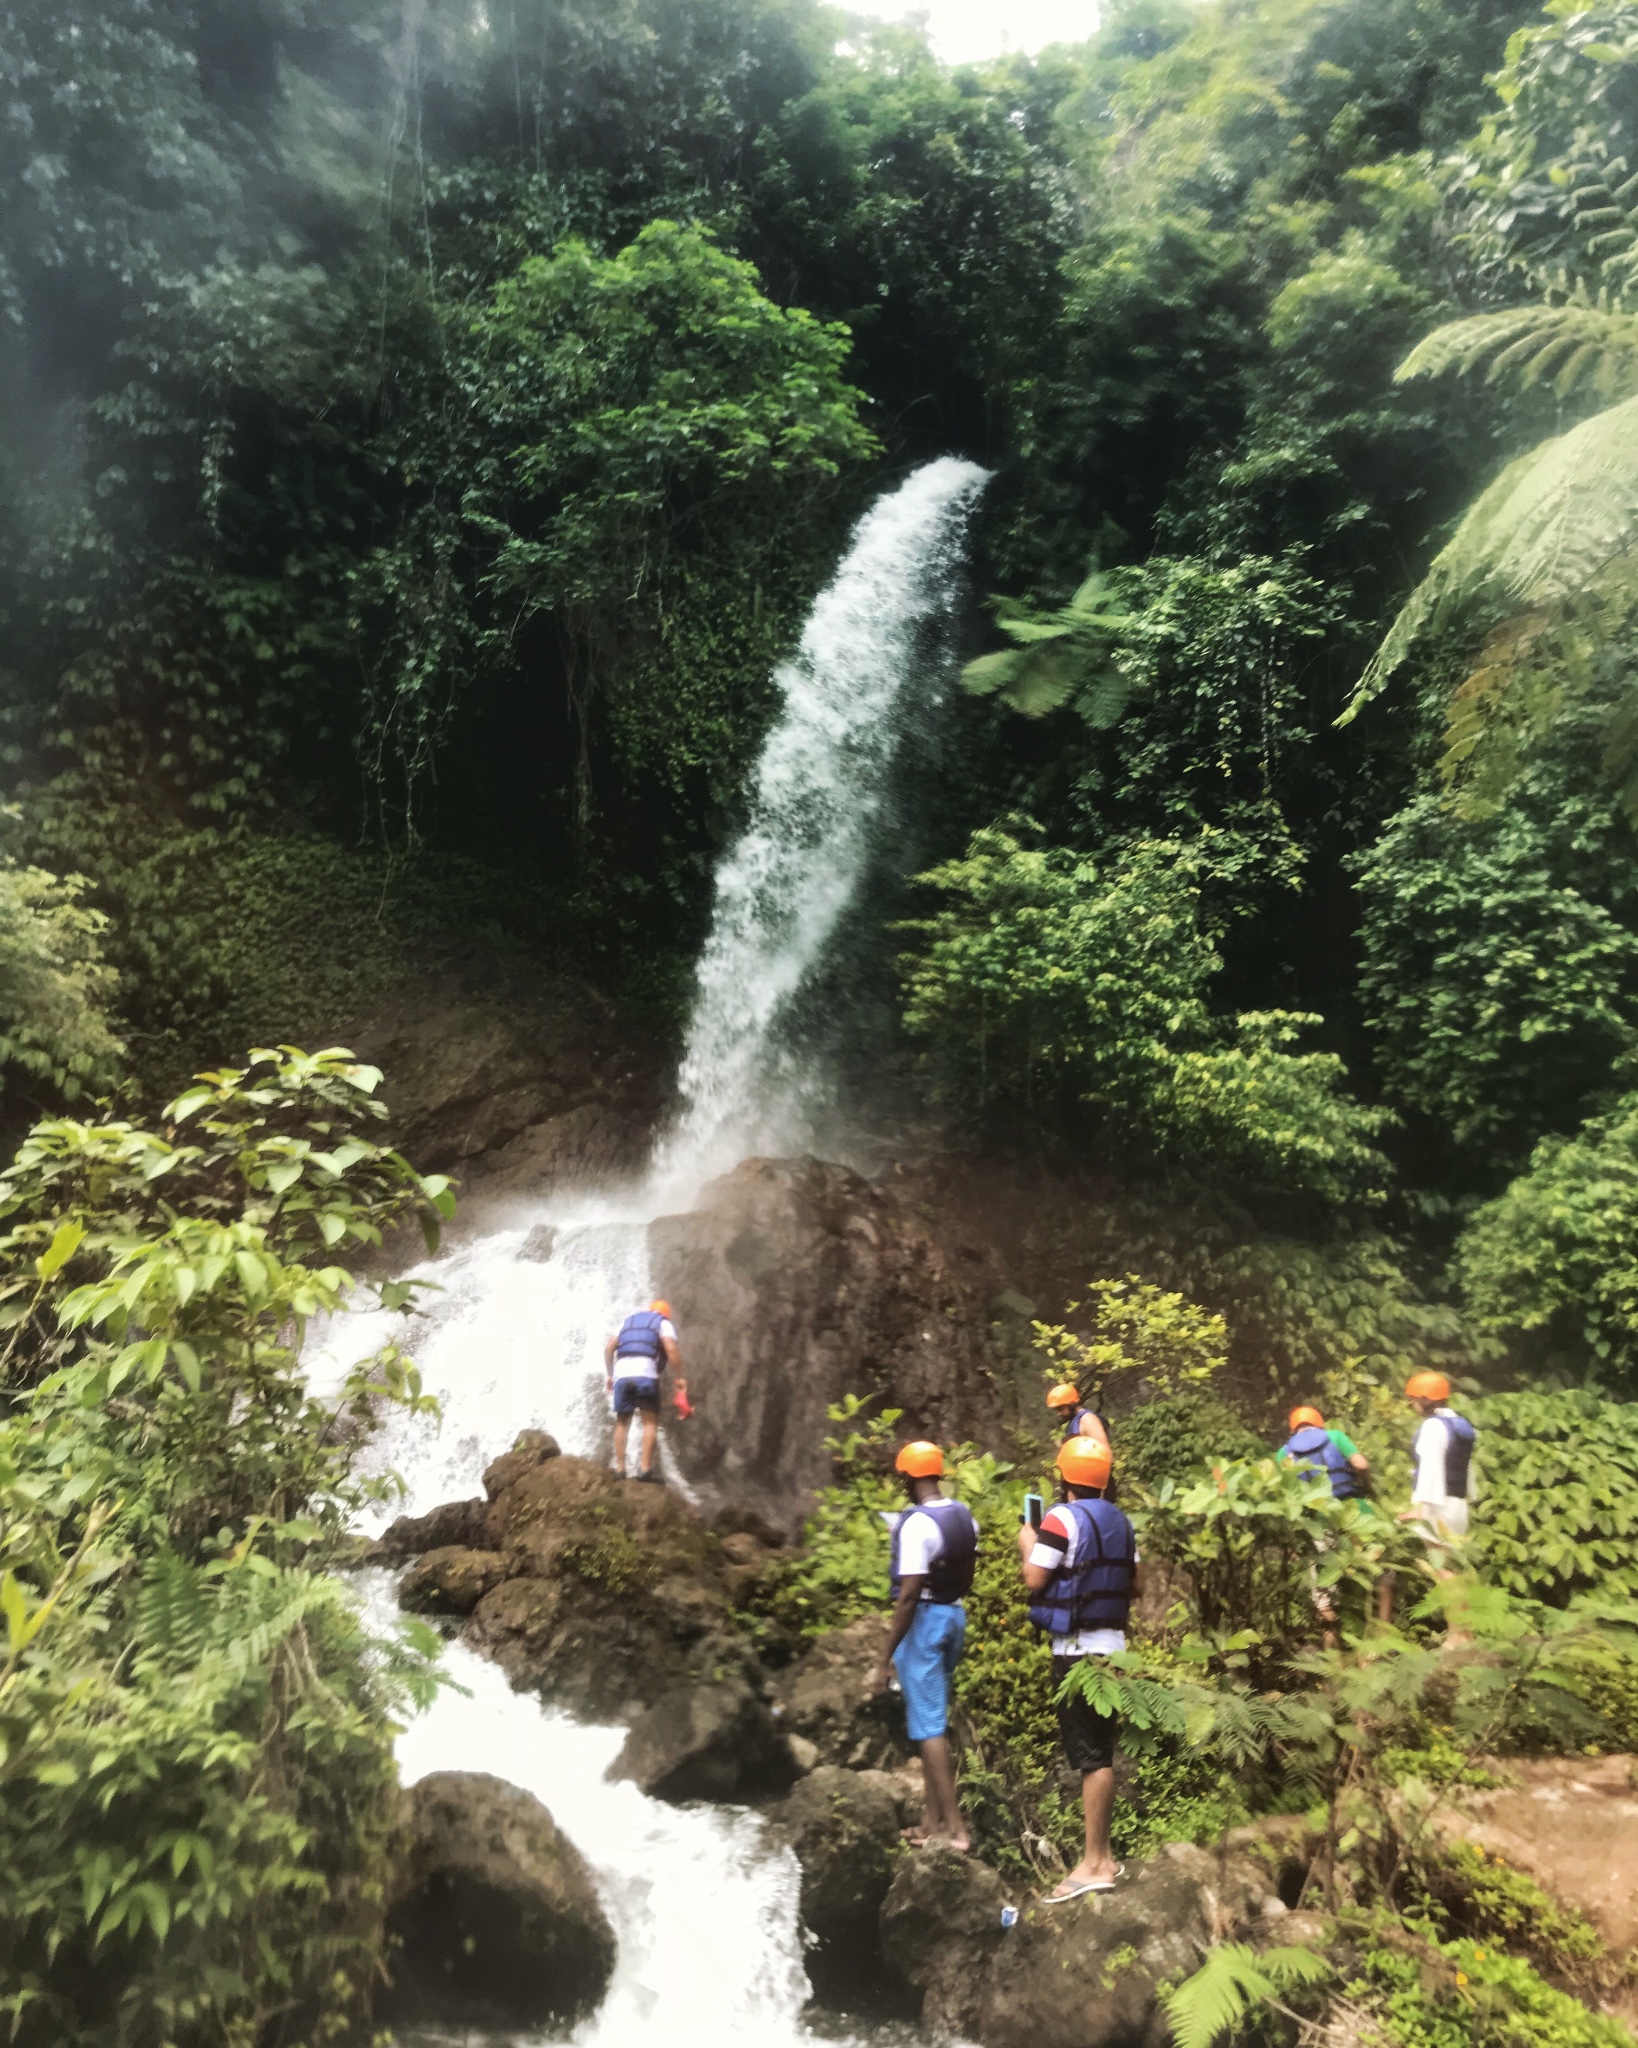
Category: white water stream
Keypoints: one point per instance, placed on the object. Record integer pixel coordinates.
(705, 1911)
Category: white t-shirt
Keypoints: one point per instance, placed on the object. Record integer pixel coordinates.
(1090, 1642)
(1432, 1484)
(920, 1542)
(634, 1365)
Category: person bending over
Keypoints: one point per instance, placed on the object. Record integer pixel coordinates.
(633, 1359)
(935, 1543)
(1080, 1567)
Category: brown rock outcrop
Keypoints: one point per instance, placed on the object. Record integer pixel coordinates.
(795, 1282)
(496, 1914)
(610, 1595)
(941, 1926)
(451, 1580)
(706, 1742)
(844, 1829)
(825, 1698)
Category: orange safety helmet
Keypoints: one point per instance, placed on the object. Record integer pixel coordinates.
(1427, 1386)
(920, 1461)
(1083, 1461)
(1064, 1396)
(660, 1308)
(1299, 1416)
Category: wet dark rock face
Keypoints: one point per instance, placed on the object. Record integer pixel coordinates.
(496, 1915)
(795, 1282)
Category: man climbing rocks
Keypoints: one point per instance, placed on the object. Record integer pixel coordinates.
(1065, 1403)
(1443, 1450)
(935, 1542)
(1081, 1568)
(633, 1359)
(1314, 1447)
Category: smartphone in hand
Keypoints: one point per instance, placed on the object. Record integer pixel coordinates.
(1034, 1507)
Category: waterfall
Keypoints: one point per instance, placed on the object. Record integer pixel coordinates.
(858, 681)
(704, 1909)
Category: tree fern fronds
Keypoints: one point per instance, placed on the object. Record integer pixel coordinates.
(1230, 1983)
(1550, 524)
(1587, 343)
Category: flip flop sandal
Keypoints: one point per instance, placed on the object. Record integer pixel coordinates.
(1083, 1886)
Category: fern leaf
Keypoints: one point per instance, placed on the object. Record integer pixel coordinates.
(1543, 531)
(990, 672)
(1230, 1983)
(1526, 340)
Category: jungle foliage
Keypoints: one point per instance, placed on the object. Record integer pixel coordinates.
(196, 1777)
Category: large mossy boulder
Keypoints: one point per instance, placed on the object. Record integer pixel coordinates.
(495, 1913)
(607, 1596)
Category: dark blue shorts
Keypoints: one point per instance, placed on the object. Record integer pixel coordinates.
(632, 1395)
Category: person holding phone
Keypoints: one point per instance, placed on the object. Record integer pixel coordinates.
(1081, 1569)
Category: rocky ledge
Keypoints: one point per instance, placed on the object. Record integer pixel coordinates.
(616, 1600)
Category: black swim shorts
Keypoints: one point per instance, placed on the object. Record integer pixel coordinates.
(1088, 1736)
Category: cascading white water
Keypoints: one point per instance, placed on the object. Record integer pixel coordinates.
(705, 1911)
(857, 681)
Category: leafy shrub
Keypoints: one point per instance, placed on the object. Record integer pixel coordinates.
(1486, 1899)
(56, 989)
(1050, 983)
(1257, 1540)
(1175, 1438)
(1559, 1477)
(1428, 1993)
(1556, 1256)
(196, 1781)
(1146, 1340)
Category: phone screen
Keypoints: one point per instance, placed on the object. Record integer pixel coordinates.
(1032, 1509)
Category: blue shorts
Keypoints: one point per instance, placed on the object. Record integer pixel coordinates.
(632, 1394)
(926, 1661)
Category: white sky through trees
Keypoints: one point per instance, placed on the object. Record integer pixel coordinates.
(963, 30)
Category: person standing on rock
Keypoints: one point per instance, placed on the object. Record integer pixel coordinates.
(935, 1543)
(633, 1359)
(1443, 1451)
(1080, 1568)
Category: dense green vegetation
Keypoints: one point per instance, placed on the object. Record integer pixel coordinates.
(196, 1777)
(422, 432)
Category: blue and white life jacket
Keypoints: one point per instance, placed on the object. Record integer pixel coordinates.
(1460, 1437)
(1096, 1590)
(1072, 1428)
(1313, 1450)
(950, 1575)
(640, 1338)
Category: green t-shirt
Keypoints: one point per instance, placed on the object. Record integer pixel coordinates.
(1344, 1443)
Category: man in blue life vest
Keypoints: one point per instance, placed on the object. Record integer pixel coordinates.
(633, 1359)
(1443, 1450)
(1314, 1447)
(1081, 1570)
(935, 1542)
(1077, 1420)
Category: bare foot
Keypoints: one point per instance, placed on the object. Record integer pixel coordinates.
(959, 1843)
(918, 1838)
